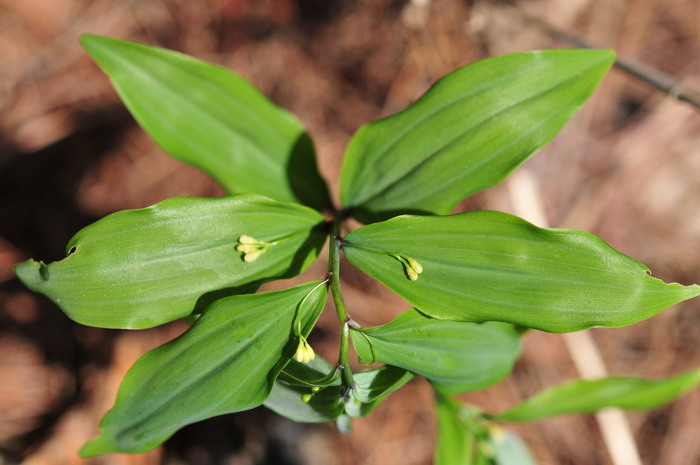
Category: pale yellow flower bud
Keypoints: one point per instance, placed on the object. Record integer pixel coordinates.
(412, 275)
(247, 248)
(304, 353)
(252, 256)
(415, 265)
(247, 240)
(310, 355)
(411, 266)
(299, 356)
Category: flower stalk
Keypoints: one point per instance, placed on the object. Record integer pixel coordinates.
(340, 307)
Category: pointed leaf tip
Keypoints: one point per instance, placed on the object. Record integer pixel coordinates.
(486, 265)
(467, 133)
(98, 446)
(226, 362)
(141, 268)
(216, 121)
(588, 396)
(28, 272)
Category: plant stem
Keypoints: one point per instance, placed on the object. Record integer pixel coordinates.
(340, 307)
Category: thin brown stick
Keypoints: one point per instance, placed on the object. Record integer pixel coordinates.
(655, 78)
(614, 428)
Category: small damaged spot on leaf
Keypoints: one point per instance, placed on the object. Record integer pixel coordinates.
(43, 271)
(72, 251)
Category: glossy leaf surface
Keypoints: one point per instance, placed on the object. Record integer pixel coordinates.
(485, 265)
(588, 396)
(209, 117)
(142, 268)
(227, 362)
(468, 132)
(454, 356)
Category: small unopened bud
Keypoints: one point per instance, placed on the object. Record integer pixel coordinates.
(306, 398)
(411, 266)
(252, 256)
(244, 239)
(304, 353)
(247, 248)
(415, 265)
(251, 248)
(299, 355)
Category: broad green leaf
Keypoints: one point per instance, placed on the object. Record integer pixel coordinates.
(467, 133)
(209, 117)
(372, 387)
(142, 268)
(588, 396)
(287, 396)
(454, 356)
(456, 443)
(509, 449)
(485, 265)
(227, 362)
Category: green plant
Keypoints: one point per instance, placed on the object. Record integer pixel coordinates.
(478, 280)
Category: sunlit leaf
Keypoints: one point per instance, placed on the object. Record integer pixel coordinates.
(227, 362)
(142, 268)
(588, 396)
(209, 117)
(454, 356)
(468, 132)
(485, 265)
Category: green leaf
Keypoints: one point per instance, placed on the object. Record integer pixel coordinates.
(465, 439)
(295, 382)
(456, 443)
(142, 268)
(372, 387)
(509, 449)
(315, 373)
(211, 118)
(454, 356)
(467, 133)
(485, 265)
(294, 398)
(227, 362)
(588, 396)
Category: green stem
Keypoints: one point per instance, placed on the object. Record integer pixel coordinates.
(340, 307)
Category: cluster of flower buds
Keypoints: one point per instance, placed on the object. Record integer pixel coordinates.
(304, 352)
(411, 266)
(307, 397)
(251, 248)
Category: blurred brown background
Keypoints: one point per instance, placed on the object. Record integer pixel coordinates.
(626, 169)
